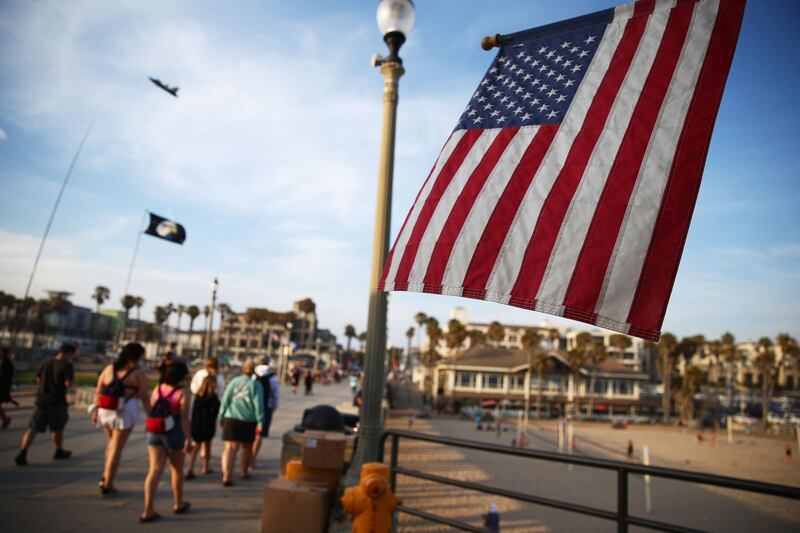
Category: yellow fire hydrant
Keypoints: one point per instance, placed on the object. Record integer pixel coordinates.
(371, 503)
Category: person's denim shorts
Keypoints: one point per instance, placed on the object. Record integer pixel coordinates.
(172, 440)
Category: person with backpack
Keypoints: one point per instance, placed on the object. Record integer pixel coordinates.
(241, 416)
(121, 387)
(54, 377)
(205, 409)
(168, 427)
(269, 382)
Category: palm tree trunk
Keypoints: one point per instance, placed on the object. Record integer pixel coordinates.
(539, 394)
(730, 383)
(666, 398)
(591, 391)
(528, 391)
(765, 398)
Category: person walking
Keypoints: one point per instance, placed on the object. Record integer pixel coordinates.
(205, 408)
(6, 380)
(168, 428)
(309, 382)
(271, 386)
(121, 387)
(294, 379)
(211, 368)
(53, 377)
(241, 416)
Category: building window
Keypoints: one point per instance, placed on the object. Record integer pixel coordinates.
(465, 380)
(242, 343)
(623, 387)
(254, 343)
(554, 384)
(600, 386)
(517, 382)
(512, 338)
(492, 381)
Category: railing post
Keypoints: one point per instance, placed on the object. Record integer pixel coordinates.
(622, 501)
(393, 462)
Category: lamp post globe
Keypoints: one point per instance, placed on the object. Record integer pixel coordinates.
(395, 21)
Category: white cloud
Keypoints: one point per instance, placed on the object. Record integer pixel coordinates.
(3, 135)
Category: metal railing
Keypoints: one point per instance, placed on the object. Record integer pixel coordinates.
(621, 516)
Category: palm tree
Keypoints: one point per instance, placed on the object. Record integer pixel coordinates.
(456, 334)
(531, 339)
(138, 304)
(790, 352)
(181, 310)
(160, 316)
(100, 295)
(193, 311)
(596, 355)
(362, 338)
(421, 319)
(668, 350)
(541, 365)
(765, 363)
(127, 301)
(476, 337)
(409, 336)
(496, 333)
(307, 307)
(730, 356)
(435, 335)
(350, 333)
(576, 358)
(554, 335)
(620, 343)
(693, 377)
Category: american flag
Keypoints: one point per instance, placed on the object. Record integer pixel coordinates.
(569, 182)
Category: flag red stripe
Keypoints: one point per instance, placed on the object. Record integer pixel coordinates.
(590, 269)
(669, 235)
(461, 208)
(551, 217)
(388, 262)
(439, 187)
(488, 248)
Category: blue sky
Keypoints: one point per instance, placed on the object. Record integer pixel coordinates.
(269, 156)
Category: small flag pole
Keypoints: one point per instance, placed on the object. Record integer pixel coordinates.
(50, 223)
(130, 269)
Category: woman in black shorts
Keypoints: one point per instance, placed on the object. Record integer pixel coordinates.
(241, 416)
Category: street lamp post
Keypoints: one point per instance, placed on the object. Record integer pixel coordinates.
(395, 20)
(210, 328)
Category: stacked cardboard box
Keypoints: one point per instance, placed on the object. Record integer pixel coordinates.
(300, 502)
(291, 507)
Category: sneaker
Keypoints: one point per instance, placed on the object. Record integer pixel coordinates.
(21, 459)
(108, 491)
(62, 454)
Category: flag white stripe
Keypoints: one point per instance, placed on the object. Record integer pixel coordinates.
(509, 260)
(445, 205)
(484, 206)
(573, 230)
(637, 229)
(402, 239)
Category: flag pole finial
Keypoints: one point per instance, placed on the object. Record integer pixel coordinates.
(491, 41)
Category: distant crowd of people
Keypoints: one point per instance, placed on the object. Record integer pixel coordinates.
(181, 415)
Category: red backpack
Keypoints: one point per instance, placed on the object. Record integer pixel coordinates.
(160, 419)
(111, 393)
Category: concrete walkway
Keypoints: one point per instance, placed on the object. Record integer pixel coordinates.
(57, 496)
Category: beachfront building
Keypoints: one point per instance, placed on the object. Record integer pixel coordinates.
(635, 355)
(484, 375)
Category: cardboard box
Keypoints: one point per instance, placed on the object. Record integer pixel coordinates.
(291, 507)
(295, 471)
(293, 447)
(323, 449)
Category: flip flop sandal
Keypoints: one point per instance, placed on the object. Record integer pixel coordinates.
(184, 508)
(152, 518)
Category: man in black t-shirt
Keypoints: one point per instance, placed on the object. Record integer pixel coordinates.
(54, 377)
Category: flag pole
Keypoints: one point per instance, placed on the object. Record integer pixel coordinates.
(50, 221)
(130, 270)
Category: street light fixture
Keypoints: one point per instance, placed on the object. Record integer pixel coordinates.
(395, 21)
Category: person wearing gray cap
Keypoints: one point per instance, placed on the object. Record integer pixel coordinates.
(269, 382)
